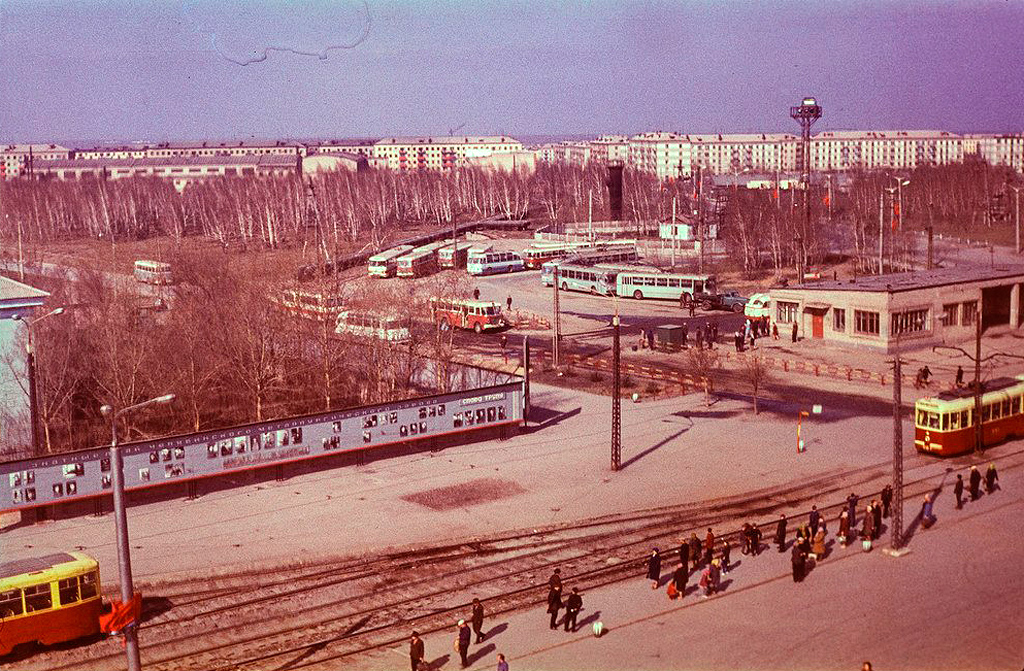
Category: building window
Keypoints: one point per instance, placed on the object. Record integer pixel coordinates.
(969, 312)
(839, 320)
(785, 312)
(865, 323)
(908, 321)
(950, 314)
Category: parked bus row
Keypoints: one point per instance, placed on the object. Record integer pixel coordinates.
(639, 282)
(538, 254)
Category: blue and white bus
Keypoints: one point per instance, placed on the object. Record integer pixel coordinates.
(642, 284)
(484, 262)
(597, 280)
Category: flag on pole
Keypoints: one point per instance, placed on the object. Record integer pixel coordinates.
(828, 200)
(895, 216)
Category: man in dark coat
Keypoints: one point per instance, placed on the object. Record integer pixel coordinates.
(780, 534)
(958, 491)
(886, 500)
(573, 606)
(814, 519)
(755, 539)
(416, 652)
(991, 478)
(794, 331)
(709, 546)
(851, 509)
(975, 483)
(478, 620)
(554, 605)
(684, 554)
(686, 332)
(679, 578)
(464, 637)
(876, 510)
(654, 568)
(556, 579)
(695, 549)
(798, 559)
(738, 341)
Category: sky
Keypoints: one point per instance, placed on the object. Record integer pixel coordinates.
(102, 71)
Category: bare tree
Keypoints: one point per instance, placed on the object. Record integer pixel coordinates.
(704, 364)
(756, 373)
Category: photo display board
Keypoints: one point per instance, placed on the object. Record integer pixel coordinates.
(40, 481)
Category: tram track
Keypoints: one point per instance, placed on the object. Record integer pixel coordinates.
(346, 607)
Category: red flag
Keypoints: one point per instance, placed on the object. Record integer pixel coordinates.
(775, 195)
(895, 216)
(828, 200)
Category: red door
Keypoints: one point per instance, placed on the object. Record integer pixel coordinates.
(817, 325)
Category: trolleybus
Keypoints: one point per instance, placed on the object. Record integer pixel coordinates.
(672, 286)
(449, 313)
(945, 424)
(421, 261)
(385, 264)
(482, 262)
(372, 325)
(49, 599)
(153, 272)
(597, 280)
(310, 304)
(454, 256)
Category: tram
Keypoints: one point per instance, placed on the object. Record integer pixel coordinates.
(49, 599)
(945, 425)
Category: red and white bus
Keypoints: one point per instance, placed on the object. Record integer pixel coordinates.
(454, 256)
(945, 425)
(421, 261)
(464, 313)
(385, 264)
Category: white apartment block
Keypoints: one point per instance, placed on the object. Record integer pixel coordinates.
(15, 159)
(1005, 150)
(723, 154)
(413, 153)
(666, 155)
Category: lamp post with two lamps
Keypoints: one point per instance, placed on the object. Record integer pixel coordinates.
(124, 562)
(896, 191)
(30, 362)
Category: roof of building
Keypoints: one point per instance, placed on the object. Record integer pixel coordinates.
(265, 160)
(885, 135)
(34, 148)
(357, 142)
(918, 279)
(12, 290)
(742, 138)
(448, 139)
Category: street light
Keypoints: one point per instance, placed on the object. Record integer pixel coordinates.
(124, 561)
(30, 361)
(898, 192)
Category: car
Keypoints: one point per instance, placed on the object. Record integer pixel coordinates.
(731, 300)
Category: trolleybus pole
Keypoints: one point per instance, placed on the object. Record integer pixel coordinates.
(616, 398)
(124, 560)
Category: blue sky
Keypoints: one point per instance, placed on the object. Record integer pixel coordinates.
(106, 71)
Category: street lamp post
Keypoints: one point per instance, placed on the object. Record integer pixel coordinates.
(30, 364)
(1016, 208)
(124, 561)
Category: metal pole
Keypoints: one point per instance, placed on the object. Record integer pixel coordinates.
(1016, 200)
(978, 433)
(700, 218)
(881, 224)
(897, 451)
(32, 394)
(124, 561)
(616, 398)
(673, 229)
(526, 378)
(558, 326)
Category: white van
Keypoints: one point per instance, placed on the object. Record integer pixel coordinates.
(758, 306)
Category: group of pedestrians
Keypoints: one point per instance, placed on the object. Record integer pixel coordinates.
(991, 484)
(463, 638)
(706, 335)
(573, 604)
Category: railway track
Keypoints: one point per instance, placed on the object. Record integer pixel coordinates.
(314, 615)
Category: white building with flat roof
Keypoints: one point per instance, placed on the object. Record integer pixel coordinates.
(665, 155)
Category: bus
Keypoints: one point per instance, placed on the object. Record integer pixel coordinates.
(463, 313)
(482, 262)
(372, 325)
(945, 425)
(385, 264)
(608, 253)
(536, 255)
(597, 280)
(153, 272)
(447, 257)
(672, 286)
(619, 259)
(49, 599)
(310, 304)
(421, 261)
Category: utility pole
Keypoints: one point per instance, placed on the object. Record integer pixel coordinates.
(526, 378)
(1016, 209)
(673, 229)
(881, 225)
(557, 323)
(978, 433)
(931, 236)
(897, 451)
(806, 114)
(700, 219)
(616, 397)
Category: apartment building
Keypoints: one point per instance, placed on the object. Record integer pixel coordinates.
(439, 153)
(722, 154)
(1006, 150)
(666, 155)
(18, 159)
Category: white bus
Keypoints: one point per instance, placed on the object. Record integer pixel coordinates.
(421, 261)
(598, 280)
(310, 304)
(490, 262)
(153, 272)
(385, 264)
(372, 325)
(647, 284)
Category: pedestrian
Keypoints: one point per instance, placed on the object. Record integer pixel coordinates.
(695, 549)
(478, 620)
(868, 528)
(748, 538)
(650, 338)
(462, 642)
(709, 546)
(805, 540)
(686, 332)
(508, 303)
(798, 560)
(693, 307)
(416, 652)
(818, 545)
(794, 331)
(679, 578)
(699, 338)
(504, 341)
(876, 510)
(959, 382)
(726, 551)
(927, 518)
(780, 534)
(554, 605)
(844, 527)
(738, 340)
(714, 331)
(851, 507)
(814, 518)
(958, 491)
(755, 539)
(684, 553)
(775, 331)
(753, 342)
(502, 664)
(573, 606)
(705, 581)
(886, 500)
(715, 576)
(556, 579)
(975, 483)
(710, 333)
(991, 479)
(654, 568)
(476, 294)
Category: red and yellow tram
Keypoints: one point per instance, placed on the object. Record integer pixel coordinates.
(49, 599)
(945, 425)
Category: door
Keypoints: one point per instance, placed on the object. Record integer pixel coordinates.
(817, 324)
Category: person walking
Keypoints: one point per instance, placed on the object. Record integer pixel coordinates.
(818, 545)
(844, 527)
(556, 579)
(868, 528)
(416, 652)
(508, 302)
(573, 606)
(695, 549)
(654, 568)
(975, 483)
(462, 642)
(684, 553)
(726, 551)
(959, 381)
(686, 332)
(798, 560)
(478, 620)
(693, 307)
(876, 510)
(991, 478)
(780, 533)
(650, 339)
(554, 605)
(814, 518)
(794, 331)
(714, 331)
(679, 578)
(755, 539)
(775, 331)
(927, 518)
(476, 294)
(502, 664)
(738, 341)
(886, 500)
(709, 546)
(851, 509)
(958, 491)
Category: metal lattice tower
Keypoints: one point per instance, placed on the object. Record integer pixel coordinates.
(616, 398)
(897, 455)
(805, 114)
